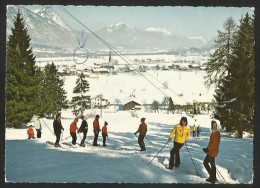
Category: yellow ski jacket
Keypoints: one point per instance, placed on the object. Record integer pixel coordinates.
(182, 133)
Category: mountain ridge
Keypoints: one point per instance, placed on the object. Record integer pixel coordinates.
(47, 27)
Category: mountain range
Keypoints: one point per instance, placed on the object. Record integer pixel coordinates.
(47, 28)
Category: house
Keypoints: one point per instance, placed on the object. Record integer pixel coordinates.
(100, 71)
(132, 105)
(99, 101)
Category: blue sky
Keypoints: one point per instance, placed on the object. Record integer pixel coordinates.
(188, 21)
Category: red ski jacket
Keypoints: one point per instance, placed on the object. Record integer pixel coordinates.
(214, 142)
(96, 126)
(73, 127)
(30, 133)
(142, 129)
(104, 130)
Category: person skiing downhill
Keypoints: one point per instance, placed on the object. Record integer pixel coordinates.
(73, 130)
(181, 133)
(57, 126)
(142, 130)
(96, 129)
(38, 127)
(104, 133)
(84, 129)
(212, 152)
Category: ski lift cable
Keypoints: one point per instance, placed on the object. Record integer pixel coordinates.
(114, 50)
(108, 45)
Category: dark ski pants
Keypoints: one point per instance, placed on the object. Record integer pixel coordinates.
(57, 138)
(210, 168)
(39, 133)
(104, 139)
(175, 153)
(194, 133)
(84, 137)
(141, 142)
(74, 138)
(198, 134)
(95, 139)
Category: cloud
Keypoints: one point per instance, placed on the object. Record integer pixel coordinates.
(198, 38)
(159, 30)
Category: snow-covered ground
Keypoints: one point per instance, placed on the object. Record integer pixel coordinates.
(38, 161)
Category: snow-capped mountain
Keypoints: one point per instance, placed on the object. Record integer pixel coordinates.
(49, 13)
(47, 28)
(128, 37)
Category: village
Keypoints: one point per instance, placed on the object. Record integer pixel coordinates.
(103, 65)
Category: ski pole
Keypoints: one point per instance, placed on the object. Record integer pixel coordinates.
(150, 141)
(216, 168)
(79, 136)
(192, 159)
(159, 151)
(66, 138)
(61, 135)
(48, 127)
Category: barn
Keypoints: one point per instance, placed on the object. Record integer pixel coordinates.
(132, 105)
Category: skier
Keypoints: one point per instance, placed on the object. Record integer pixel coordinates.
(84, 129)
(57, 129)
(96, 129)
(212, 152)
(73, 130)
(142, 130)
(104, 133)
(198, 131)
(181, 133)
(38, 127)
(30, 132)
(194, 129)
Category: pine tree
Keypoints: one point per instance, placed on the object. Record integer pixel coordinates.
(53, 94)
(81, 101)
(22, 83)
(224, 94)
(243, 71)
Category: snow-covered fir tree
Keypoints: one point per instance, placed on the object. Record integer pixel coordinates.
(81, 100)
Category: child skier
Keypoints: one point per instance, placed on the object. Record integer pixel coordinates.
(104, 133)
(73, 130)
(30, 132)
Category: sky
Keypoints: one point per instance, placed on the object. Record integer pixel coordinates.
(189, 21)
